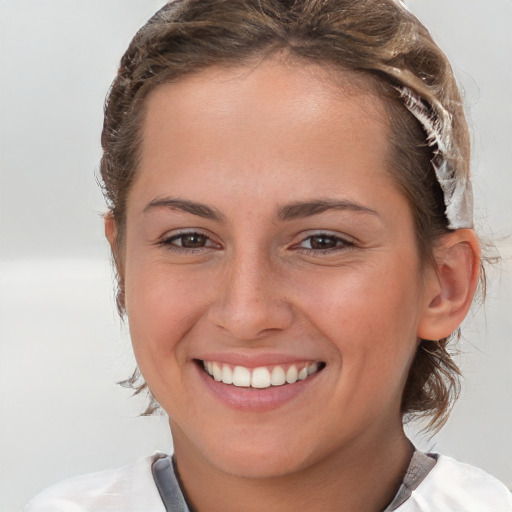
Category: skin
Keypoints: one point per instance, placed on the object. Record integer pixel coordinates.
(247, 143)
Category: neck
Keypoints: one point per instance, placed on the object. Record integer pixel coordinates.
(361, 478)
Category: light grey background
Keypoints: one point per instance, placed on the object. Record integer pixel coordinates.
(62, 347)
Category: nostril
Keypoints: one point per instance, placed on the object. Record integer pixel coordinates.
(250, 321)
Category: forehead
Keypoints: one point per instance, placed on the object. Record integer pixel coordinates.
(277, 88)
(302, 123)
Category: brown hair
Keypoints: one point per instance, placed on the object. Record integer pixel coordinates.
(378, 39)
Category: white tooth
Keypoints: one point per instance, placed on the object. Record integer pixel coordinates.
(227, 375)
(292, 374)
(260, 378)
(241, 377)
(303, 374)
(312, 368)
(217, 372)
(278, 377)
(209, 367)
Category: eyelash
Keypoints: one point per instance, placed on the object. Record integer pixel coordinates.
(168, 242)
(341, 244)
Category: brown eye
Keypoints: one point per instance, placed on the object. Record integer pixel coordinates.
(190, 240)
(193, 240)
(323, 242)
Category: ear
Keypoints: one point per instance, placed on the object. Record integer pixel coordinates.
(452, 285)
(111, 233)
(110, 230)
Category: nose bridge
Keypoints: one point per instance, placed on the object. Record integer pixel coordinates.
(250, 301)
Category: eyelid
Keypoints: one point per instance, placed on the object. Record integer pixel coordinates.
(346, 242)
(167, 239)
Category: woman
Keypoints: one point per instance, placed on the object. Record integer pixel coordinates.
(290, 214)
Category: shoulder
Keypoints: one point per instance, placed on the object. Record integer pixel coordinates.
(454, 486)
(128, 489)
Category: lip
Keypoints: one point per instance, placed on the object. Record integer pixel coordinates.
(255, 360)
(252, 399)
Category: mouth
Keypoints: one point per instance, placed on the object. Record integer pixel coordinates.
(261, 377)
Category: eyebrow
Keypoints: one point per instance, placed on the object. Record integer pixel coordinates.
(199, 209)
(297, 210)
(304, 209)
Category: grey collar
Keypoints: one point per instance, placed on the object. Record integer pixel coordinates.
(167, 483)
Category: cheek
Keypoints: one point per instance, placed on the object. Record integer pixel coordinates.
(162, 305)
(382, 298)
(369, 315)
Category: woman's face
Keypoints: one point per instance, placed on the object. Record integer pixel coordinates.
(266, 241)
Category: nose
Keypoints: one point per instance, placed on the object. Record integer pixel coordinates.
(250, 300)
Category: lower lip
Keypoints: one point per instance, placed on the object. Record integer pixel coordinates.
(253, 399)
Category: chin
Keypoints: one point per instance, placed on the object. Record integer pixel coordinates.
(260, 465)
(264, 459)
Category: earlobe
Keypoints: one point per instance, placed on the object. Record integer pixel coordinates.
(110, 229)
(458, 267)
(111, 233)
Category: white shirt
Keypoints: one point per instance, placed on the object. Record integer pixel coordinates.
(449, 487)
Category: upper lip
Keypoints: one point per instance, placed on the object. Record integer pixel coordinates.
(252, 360)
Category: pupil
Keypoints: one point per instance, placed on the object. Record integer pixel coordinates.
(323, 242)
(193, 240)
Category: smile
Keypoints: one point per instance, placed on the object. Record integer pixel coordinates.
(261, 377)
